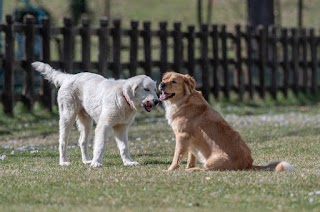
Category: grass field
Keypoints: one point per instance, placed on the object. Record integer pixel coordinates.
(32, 180)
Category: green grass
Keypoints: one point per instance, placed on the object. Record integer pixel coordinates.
(25, 124)
(32, 180)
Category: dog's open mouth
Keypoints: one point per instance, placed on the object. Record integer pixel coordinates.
(164, 95)
(147, 106)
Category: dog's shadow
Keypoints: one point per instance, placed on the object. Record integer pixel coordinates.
(154, 159)
(156, 162)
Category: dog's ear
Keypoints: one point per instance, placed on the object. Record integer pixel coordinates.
(131, 88)
(189, 84)
(134, 88)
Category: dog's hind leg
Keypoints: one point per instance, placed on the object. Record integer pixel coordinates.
(67, 119)
(219, 162)
(84, 123)
(121, 136)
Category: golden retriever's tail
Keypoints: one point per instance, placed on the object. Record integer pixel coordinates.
(278, 166)
(52, 75)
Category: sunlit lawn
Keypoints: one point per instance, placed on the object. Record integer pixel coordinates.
(31, 179)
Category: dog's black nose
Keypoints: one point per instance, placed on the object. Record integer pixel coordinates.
(162, 85)
(156, 101)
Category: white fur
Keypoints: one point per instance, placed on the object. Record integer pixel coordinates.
(170, 110)
(112, 104)
(286, 166)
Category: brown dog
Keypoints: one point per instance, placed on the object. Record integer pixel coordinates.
(202, 132)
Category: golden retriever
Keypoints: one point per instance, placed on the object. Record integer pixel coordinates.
(202, 132)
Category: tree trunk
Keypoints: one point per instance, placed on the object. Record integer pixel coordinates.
(260, 12)
(209, 14)
(300, 16)
(199, 11)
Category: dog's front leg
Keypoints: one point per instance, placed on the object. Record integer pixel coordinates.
(121, 136)
(182, 145)
(99, 145)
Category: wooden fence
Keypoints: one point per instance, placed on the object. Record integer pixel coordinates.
(244, 60)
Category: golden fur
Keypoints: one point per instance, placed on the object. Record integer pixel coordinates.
(201, 132)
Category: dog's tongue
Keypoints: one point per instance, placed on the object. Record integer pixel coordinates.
(148, 104)
(163, 96)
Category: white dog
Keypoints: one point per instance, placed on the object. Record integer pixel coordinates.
(112, 104)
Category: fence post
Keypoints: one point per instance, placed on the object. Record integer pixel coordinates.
(134, 35)
(303, 41)
(285, 65)
(28, 96)
(147, 48)
(8, 83)
(46, 96)
(204, 61)
(191, 50)
(239, 62)
(249, 40)
(85, 45)
(225, 67)
(262, 57)
(68, 45)
(274, 61)
(177, 47)
(215, 62)
(163, 35)
(103, 34)
(314, 62)
(295, 60)
(116, 37)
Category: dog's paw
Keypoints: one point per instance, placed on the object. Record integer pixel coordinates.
(65, 163)
(173, 167)
(87, 161)
(96, 165)
(131, 163)
(190, 166)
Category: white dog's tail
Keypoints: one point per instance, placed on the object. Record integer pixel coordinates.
(52, 75)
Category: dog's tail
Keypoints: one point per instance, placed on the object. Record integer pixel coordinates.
(278, 166)
(52, 75)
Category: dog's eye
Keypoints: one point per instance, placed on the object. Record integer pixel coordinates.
(174, 81)
(147, 89)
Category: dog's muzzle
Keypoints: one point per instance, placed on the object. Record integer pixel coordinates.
(164, 95)
(149, 104)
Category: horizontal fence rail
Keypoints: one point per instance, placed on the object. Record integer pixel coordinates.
(245, 60)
